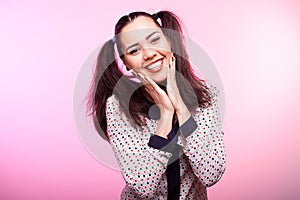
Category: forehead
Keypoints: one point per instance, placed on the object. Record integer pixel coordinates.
(138, 30)
(140, 23)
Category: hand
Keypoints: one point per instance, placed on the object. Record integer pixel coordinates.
(172, 88)
(174, 95)
(162, 100)
(170, 102)
(158, 95)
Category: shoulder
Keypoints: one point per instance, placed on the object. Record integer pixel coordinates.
(214, 95)
(112, 100)
(114, 110)
(113, 107)
(113, 104)
(214, 91)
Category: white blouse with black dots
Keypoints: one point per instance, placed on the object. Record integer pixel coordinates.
(202, 162)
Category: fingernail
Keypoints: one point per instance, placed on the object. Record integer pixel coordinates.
(140, 75)
(147, 78)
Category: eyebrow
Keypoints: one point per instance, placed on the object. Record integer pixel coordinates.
(146, 39)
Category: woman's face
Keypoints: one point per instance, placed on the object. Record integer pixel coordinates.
(146, 49)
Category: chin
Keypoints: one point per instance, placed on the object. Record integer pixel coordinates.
(160, 77)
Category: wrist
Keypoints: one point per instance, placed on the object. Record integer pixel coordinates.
(183, 114)
(164, 125)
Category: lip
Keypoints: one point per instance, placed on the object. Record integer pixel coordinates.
(154, 62)
(155, 69)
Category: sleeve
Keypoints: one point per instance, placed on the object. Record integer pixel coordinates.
(142, 166)
(158, 142)
(203, 142)
(168, 145)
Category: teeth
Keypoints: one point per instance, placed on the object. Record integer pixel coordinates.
(154, 65)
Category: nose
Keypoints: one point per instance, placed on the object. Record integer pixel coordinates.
(149, 53)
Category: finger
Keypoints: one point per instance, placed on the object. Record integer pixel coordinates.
(172, 62)
(158, 94)
(153, 84)
(133, 72)
(169, 76)
(171, 72)
(142, 78)
(149, 84)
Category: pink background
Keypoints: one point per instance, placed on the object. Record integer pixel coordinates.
(255, 46)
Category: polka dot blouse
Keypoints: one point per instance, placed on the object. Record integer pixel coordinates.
(201, 160)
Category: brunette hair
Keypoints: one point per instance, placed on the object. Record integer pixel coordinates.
(107, 75)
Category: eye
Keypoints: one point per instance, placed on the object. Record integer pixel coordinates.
(133, 51)
(155, 39)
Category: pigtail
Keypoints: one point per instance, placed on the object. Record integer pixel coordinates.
(171, 27)
(168, 20)
(106, 75)
(172, 30)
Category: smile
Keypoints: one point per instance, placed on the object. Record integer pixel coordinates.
(155, 67)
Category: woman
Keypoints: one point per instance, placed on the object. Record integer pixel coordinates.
(165, 129)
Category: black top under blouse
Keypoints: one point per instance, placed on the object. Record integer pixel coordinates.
(170, 145)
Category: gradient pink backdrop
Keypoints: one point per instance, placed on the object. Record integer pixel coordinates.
(255, 46)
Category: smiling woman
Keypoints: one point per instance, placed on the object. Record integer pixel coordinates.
(145, 50)
(165, 130)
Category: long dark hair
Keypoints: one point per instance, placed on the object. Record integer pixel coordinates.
(107, 76)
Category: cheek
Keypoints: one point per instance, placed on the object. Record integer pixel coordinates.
(168, 53)
(165, 45)
(133, 61)
(165, 49)
(165, 52)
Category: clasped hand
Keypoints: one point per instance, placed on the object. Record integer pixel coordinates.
(170, 101)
